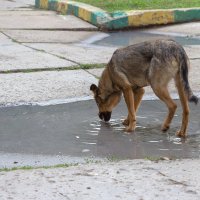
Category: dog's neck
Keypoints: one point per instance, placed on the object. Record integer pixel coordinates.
(106, 86)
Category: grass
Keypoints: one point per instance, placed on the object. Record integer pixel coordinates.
(76, 67)
(43, 167)
(115, 5)
(92, 66)
(114, 158)
(66, 165)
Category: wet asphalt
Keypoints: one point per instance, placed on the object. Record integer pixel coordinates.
(125, 38)
(73, 130)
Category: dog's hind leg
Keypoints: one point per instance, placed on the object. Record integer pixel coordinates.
(160, 74)
(163, 94)
(185, 107)
(138, 94)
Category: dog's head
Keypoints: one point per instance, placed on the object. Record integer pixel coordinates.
(105, 104)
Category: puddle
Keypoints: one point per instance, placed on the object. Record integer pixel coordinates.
(125, 38)
(72, 131)
(147, 141)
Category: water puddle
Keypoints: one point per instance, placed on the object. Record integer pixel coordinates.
(110, 140)
(65, 132)
(125, 38)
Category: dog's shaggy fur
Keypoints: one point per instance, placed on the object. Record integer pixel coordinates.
(131, 68)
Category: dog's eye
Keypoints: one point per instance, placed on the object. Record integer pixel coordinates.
(98, 101)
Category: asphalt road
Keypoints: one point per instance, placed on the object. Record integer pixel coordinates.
(73, 130)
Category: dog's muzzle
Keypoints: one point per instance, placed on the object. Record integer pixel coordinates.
(105, 116)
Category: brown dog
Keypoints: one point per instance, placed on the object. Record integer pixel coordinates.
(152, 63)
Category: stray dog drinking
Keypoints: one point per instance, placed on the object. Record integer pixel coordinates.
(132, 68)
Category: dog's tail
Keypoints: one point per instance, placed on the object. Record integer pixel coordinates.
(184, 75)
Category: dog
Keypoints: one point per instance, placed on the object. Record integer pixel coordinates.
(132, 68)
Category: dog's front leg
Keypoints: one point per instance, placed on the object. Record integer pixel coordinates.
(138, 94)
(129, 99)
(126, 121)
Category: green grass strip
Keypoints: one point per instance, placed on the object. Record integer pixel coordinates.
(42, 167)
(76, 67)
(115, 5)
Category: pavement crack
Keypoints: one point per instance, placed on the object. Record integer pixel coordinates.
(160, 173)
(198, 58)
(97, 77)
(172, 181)
(39, 50)
(52, 54)
(64, 196)
(9, 37)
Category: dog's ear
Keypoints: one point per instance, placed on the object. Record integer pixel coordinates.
(94, 88)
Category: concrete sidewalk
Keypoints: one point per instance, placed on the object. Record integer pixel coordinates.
(127, 180)
(22, 30)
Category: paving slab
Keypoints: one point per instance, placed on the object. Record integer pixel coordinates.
(84, 54)
(14, 56)
(41, 20)
(25, 88)
(194, 75)
(193, 51)
(45, 36)
(190, 29)
(96, 72)
(25, 13)
(16, 4)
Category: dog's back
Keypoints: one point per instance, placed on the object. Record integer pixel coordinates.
(138, 55)
(140, 63)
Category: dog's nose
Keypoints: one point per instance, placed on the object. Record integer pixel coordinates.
(105, 116)
(101, 116)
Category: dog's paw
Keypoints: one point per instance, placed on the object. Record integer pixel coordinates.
(125, 122)
(181, 134)
(165, 128)
(130, 128)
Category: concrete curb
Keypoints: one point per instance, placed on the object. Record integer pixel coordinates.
(120, 19)
(91, 14)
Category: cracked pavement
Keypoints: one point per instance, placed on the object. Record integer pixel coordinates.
(40, 43)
